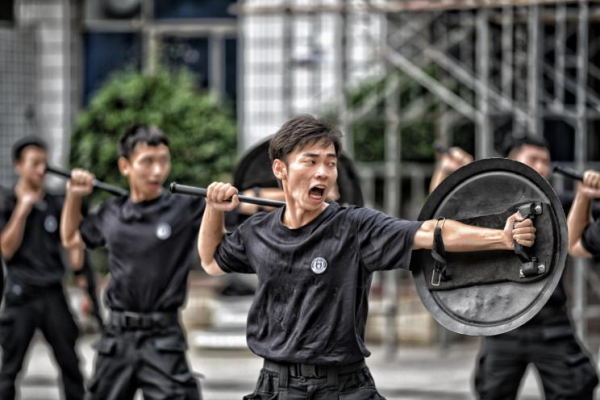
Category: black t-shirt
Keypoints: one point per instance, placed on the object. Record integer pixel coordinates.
(37, 262)
(311, 302)
(555, 310)
(149, 246)
(590, 238)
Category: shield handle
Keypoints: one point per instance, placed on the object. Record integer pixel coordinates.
(530, 263)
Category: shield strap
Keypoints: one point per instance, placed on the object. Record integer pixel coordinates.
(459, 270)
(438, 252)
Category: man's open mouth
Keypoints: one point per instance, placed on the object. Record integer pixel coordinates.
(316, 192)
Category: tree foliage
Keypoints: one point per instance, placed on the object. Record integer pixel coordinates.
(201, 131)
(417, 136)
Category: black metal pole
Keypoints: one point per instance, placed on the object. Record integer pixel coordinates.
(569, 172)
(117, 191)
(196, 191)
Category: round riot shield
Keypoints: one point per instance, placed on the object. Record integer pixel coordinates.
(492, 292)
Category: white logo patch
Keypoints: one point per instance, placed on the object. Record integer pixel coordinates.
(50, 224)
(163, 231)
(318, 265)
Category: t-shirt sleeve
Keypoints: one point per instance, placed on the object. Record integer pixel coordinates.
(590, 238)
(91, 230)
(231, 253)
(385, 242)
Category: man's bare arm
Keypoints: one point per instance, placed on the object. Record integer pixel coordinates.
(212, 229)
(459, 237)
(11, 236)
(447, 164)
(79, 185)
(580, 212)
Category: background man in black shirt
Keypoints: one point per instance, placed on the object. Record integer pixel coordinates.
(34, 297)
(148, 235)
(584, 231)
(548, 340)
(314, 262)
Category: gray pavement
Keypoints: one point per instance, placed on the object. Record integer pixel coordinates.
(416, 373)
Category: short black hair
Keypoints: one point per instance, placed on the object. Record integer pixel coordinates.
(149, 134)
(515, 144)
(19, 146)
(301, 131)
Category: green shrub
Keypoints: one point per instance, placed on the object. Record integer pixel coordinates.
(201, 131)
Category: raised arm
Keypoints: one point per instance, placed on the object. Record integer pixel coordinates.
(459, 237)
(11, 236)
(212, 228)
(447, 164)
(580, 212)
(78, 186)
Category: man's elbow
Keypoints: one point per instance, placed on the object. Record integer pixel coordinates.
(212, 268)
(577, 250)
(6, 253)
(72, 243)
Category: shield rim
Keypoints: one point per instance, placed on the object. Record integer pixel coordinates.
(432, 204)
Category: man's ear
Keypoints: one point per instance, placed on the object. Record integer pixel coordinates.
(124, 166)
(279, 169)
(18, 167)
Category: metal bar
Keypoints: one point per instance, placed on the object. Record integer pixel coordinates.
(520, 60)
(149, 39)
(242, 62)
(461, 73)
(117, 191)
(573, 86)
(287, 75)
(217, 65)
(201, 192)
(391, 206)
(483, 134)
(395, 6)
(444, 94)
(507, 51)
(342, 79)
(533, 70)
(559, 51)
(581, 269)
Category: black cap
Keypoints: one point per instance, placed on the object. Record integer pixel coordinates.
(20, 144)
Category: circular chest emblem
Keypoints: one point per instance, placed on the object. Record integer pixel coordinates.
(163, 231)
(50, 224)
(318, 265)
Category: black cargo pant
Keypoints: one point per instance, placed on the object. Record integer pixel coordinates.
(47, 311)
(151, 360)
(294, 382)
(565, 370)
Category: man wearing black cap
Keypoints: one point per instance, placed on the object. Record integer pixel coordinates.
(548, 341)
(34, 297)
(148, 235)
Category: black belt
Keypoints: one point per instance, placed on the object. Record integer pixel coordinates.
(313, 371)
(134, 320)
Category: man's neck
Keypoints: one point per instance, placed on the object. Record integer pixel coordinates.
(138, 197)
(295, 217)
(28, 187)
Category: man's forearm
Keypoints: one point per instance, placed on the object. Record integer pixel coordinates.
(211, 233)
(69, 223)
(12, 235)
(459, 237)
(579, 218)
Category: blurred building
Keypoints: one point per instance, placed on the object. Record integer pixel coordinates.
(492, 68)
(54, 54)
